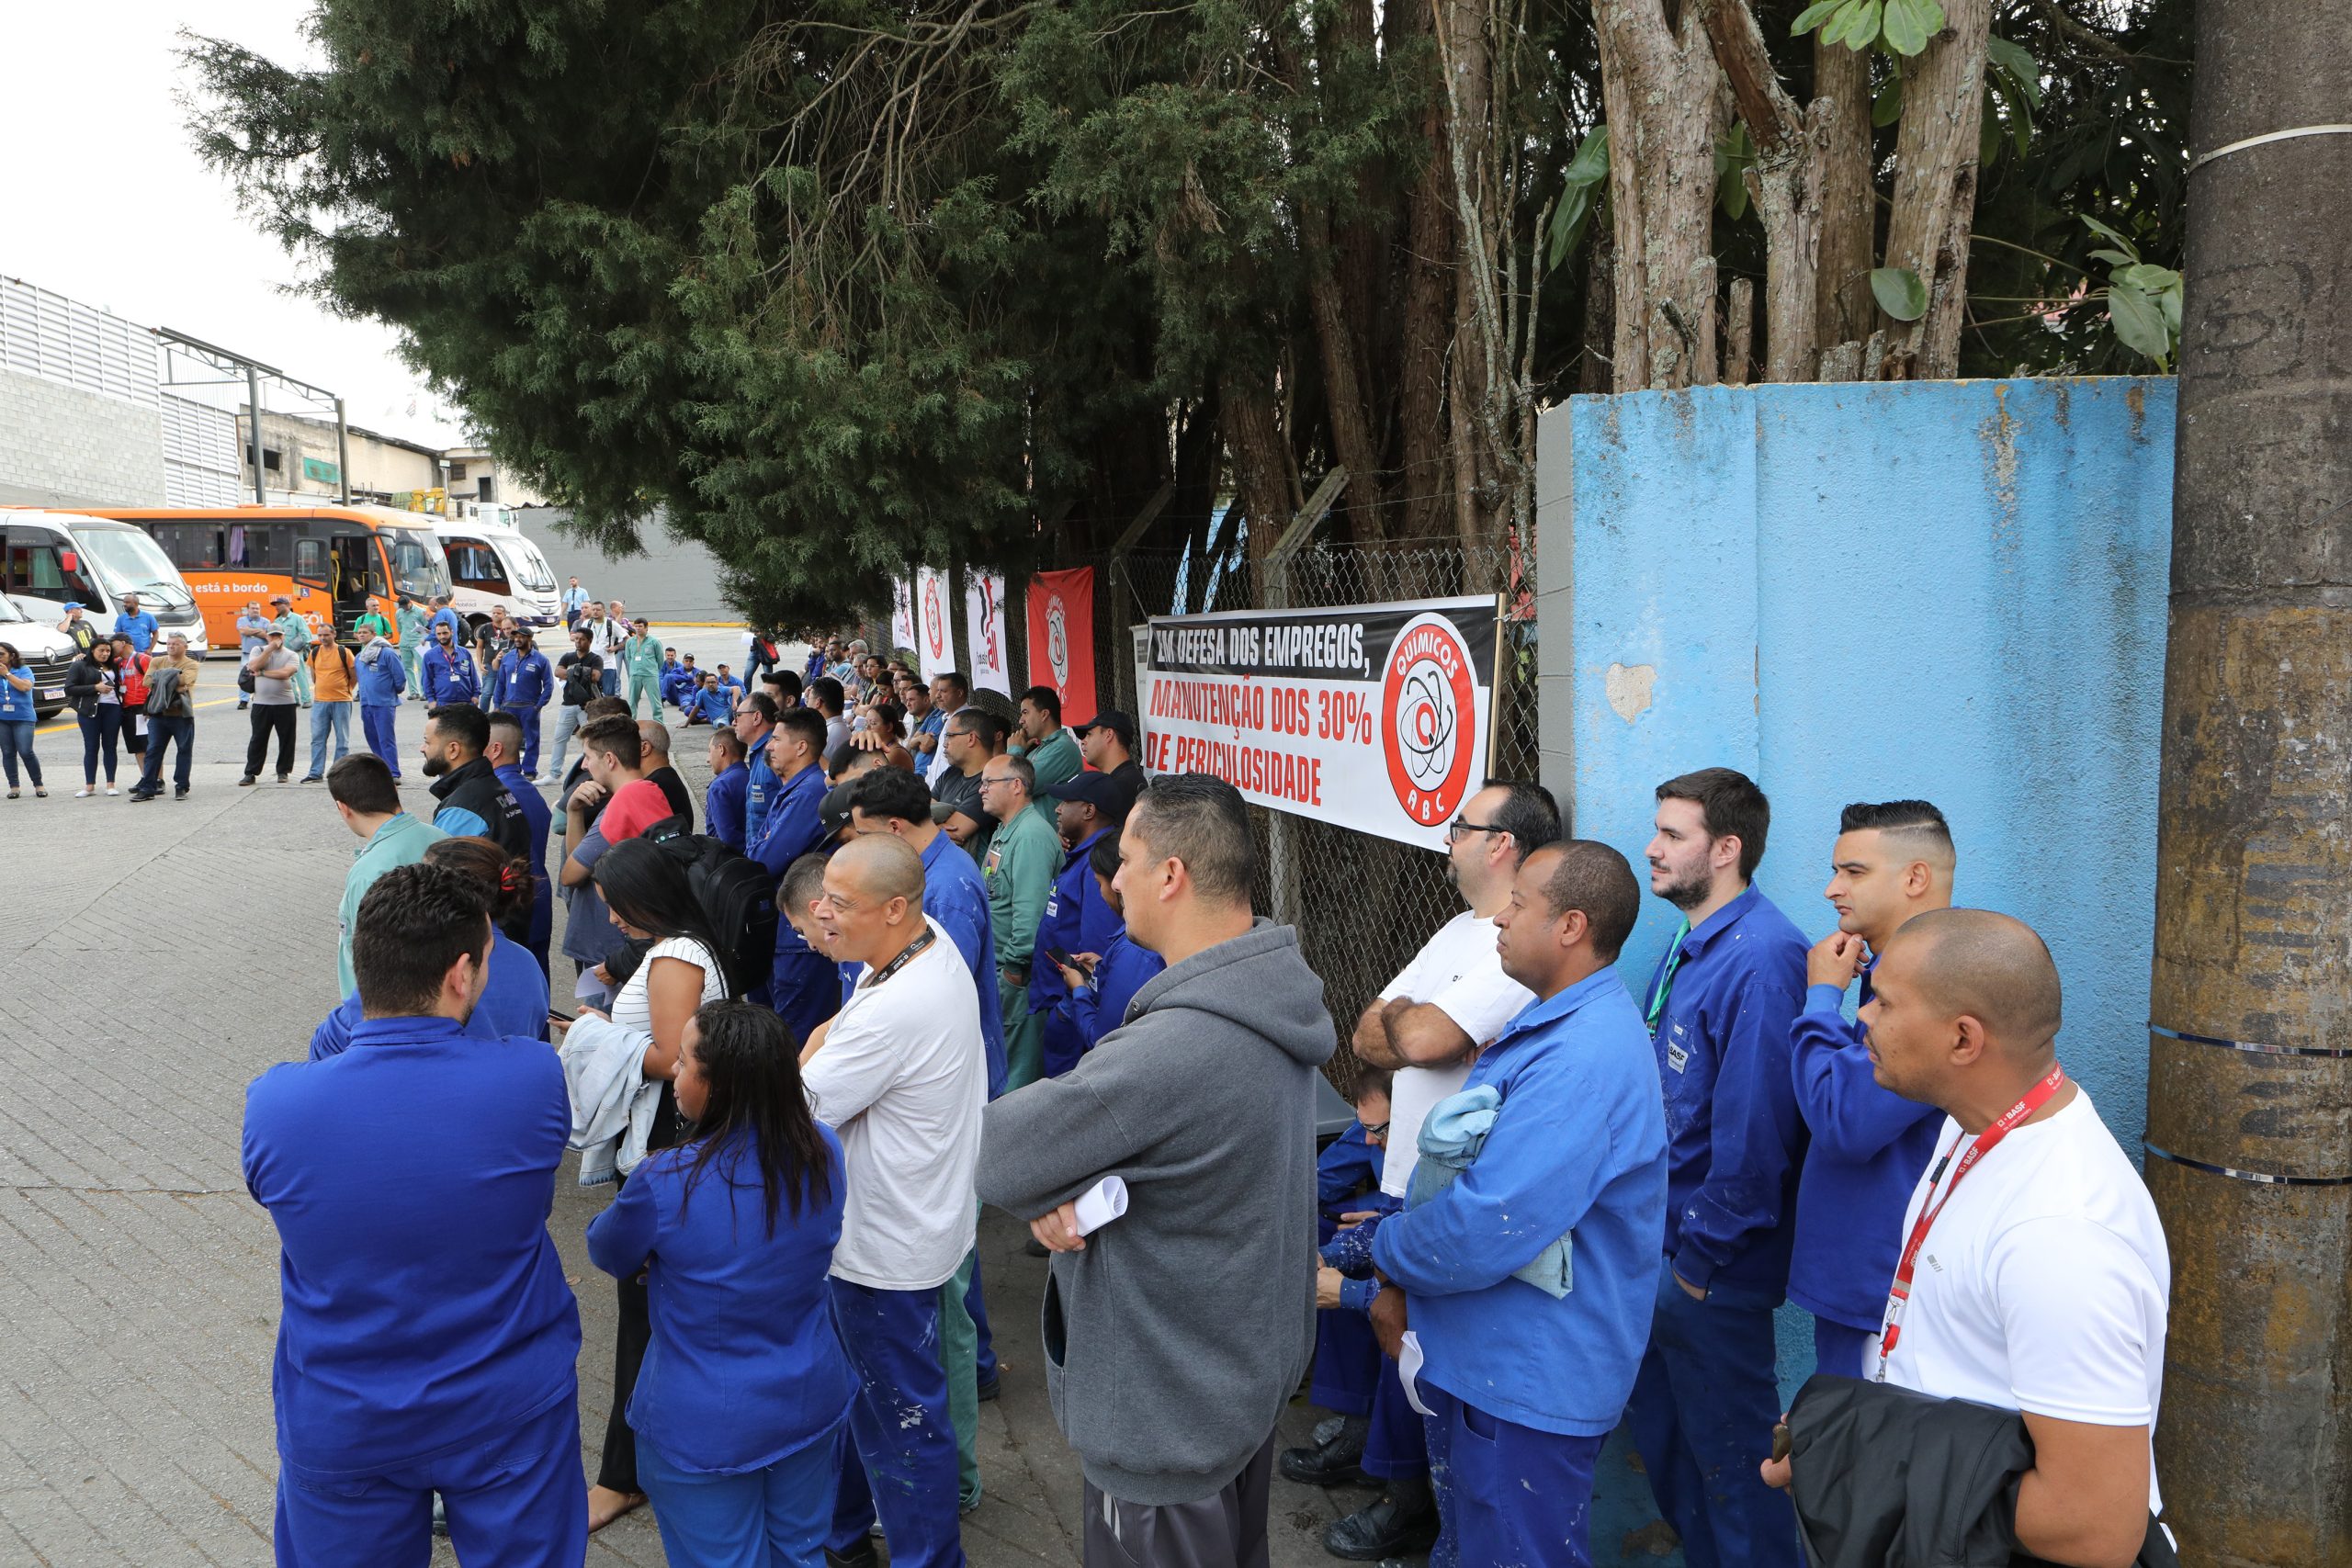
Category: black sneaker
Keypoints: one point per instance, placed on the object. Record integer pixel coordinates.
(991, 1388)
(179, 794)
(247, 782)
(318, 778)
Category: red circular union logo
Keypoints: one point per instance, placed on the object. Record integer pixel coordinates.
(934, 619)
(1429, 704)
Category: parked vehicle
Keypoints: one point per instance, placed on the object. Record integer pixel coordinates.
(47, 652)
(335, 563)
(51, 560)
(490, 563)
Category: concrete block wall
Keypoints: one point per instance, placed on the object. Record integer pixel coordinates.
(61, 445)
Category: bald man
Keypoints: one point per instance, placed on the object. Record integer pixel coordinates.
(900, 1074)
(2042, 1280)
(1893, 860)
(655, 735)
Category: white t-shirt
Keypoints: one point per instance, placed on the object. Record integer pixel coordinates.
(633, 1009)
(2043, 1285)
(1461, 973)
(902, 1078)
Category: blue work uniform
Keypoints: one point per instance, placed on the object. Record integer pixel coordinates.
(514, 1004)
(1869, 1145)
(380, 682)
(540, 822)
(801, 984)
(448, 678)
(707, 704)
(722, 805)
(447, 616)
(1523, 1387)
(428, 1340)
(740, 1401)
(1120, 971)
(1347, 1356)
(1075, 920)
(759, 787)
(1723, 1000)
(932, 723)
(524, 684)
(954, 894)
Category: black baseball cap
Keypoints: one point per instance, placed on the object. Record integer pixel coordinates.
(832, 812)
(1118, 723)
(1098, 790)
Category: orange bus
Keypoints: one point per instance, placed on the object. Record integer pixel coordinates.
(334, 562)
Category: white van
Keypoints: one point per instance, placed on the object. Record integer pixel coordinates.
(491, 564)
(45, 652)
(51, 560)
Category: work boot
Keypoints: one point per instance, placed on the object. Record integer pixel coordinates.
(1402, 1522)
(1326, 1430)
(1333, 1463)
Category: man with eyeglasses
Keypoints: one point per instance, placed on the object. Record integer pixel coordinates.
(1019, 864)
(1427, 1027)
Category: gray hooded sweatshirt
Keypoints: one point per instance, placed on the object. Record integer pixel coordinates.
(1175, 1338)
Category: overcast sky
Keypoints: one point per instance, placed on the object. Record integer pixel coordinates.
(103, 199)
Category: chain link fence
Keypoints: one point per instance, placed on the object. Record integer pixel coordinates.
(1363, 904)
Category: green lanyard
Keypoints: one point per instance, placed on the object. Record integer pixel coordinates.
(1666, 980)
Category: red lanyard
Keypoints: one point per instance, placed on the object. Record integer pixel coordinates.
(1900, 1292)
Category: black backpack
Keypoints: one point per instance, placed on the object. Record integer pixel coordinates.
(737, 895)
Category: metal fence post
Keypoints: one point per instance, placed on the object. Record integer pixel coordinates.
(1274, 594)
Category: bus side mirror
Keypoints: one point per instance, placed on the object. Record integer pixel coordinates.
(69, 560)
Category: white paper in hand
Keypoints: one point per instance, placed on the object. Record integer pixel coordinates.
(1408, 1367)
(1100, 1203)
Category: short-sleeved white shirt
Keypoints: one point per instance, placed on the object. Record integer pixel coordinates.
(633, 1008)
(1459, 971)
(902, 1077)
(2043, 1285)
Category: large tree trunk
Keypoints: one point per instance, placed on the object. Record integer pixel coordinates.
(1427, 297)
(1262, 478)
(1594, 370)
(1350, 412)
(1935, 188)
(1786, 182)
(1464, 59)
(1657, 77)
(1843, 309)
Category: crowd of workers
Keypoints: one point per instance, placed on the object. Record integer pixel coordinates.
(1004, 969)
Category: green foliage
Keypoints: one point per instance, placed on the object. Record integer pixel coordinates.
(2142, 301)
(1899, 292)
(1902, 25)
(1584, 193)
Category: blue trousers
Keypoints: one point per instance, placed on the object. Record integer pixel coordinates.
(100, 731)
(167, 730)
(900, 1459)
(1839, 1350)
(1347, 1361)
(804, 988)
(979, 1311)
(1702, 1416)
(518, 1500)
(327, 717)
(529, 720)
(1506, 1492)
(773, 1518)
(609, 682)
(382, 740)
(1398, 1443)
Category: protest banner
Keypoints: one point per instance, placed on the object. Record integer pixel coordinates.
(990, 664)
(902, 615)
(933, 645)
(1378, 717)
(1061, 639)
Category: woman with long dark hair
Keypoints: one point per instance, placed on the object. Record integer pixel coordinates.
(16, 716)
(648, 896)
(515, 996)
(93, 690)
(744, 1383)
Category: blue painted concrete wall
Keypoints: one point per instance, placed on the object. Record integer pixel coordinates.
(1863, 591)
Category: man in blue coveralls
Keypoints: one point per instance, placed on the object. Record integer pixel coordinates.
(408, 1365)
(804, 987)
(1522, 1386)
(523, 684)
(1891, 861)
(1719, 1008)
(1077, 918)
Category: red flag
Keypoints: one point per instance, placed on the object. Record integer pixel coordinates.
(1061, 639)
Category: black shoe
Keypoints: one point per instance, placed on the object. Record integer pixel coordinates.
(1385, 1530)
(317, 778)
(1335, 1463)
(247, 782)
(142, 796)
(289, 778)
(864, 1556)
(179, 794)
(991, 1389)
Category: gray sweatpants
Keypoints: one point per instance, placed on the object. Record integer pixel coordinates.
(1227, 1530)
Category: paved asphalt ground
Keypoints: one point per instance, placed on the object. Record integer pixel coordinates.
(158, 957)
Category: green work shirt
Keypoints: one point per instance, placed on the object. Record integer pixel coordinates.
(298, 638)
(1056, 759)
(1021, 864)
(382, 627)
(402, 841)
(644, 656)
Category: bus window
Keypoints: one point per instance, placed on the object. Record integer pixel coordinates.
(310, 562)
(419, 569)
(261, 546)
(38, 568)
(474, 564)
(190, 545)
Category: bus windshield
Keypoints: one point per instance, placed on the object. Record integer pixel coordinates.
(127, 561)
(419, 569)
(533, 566)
